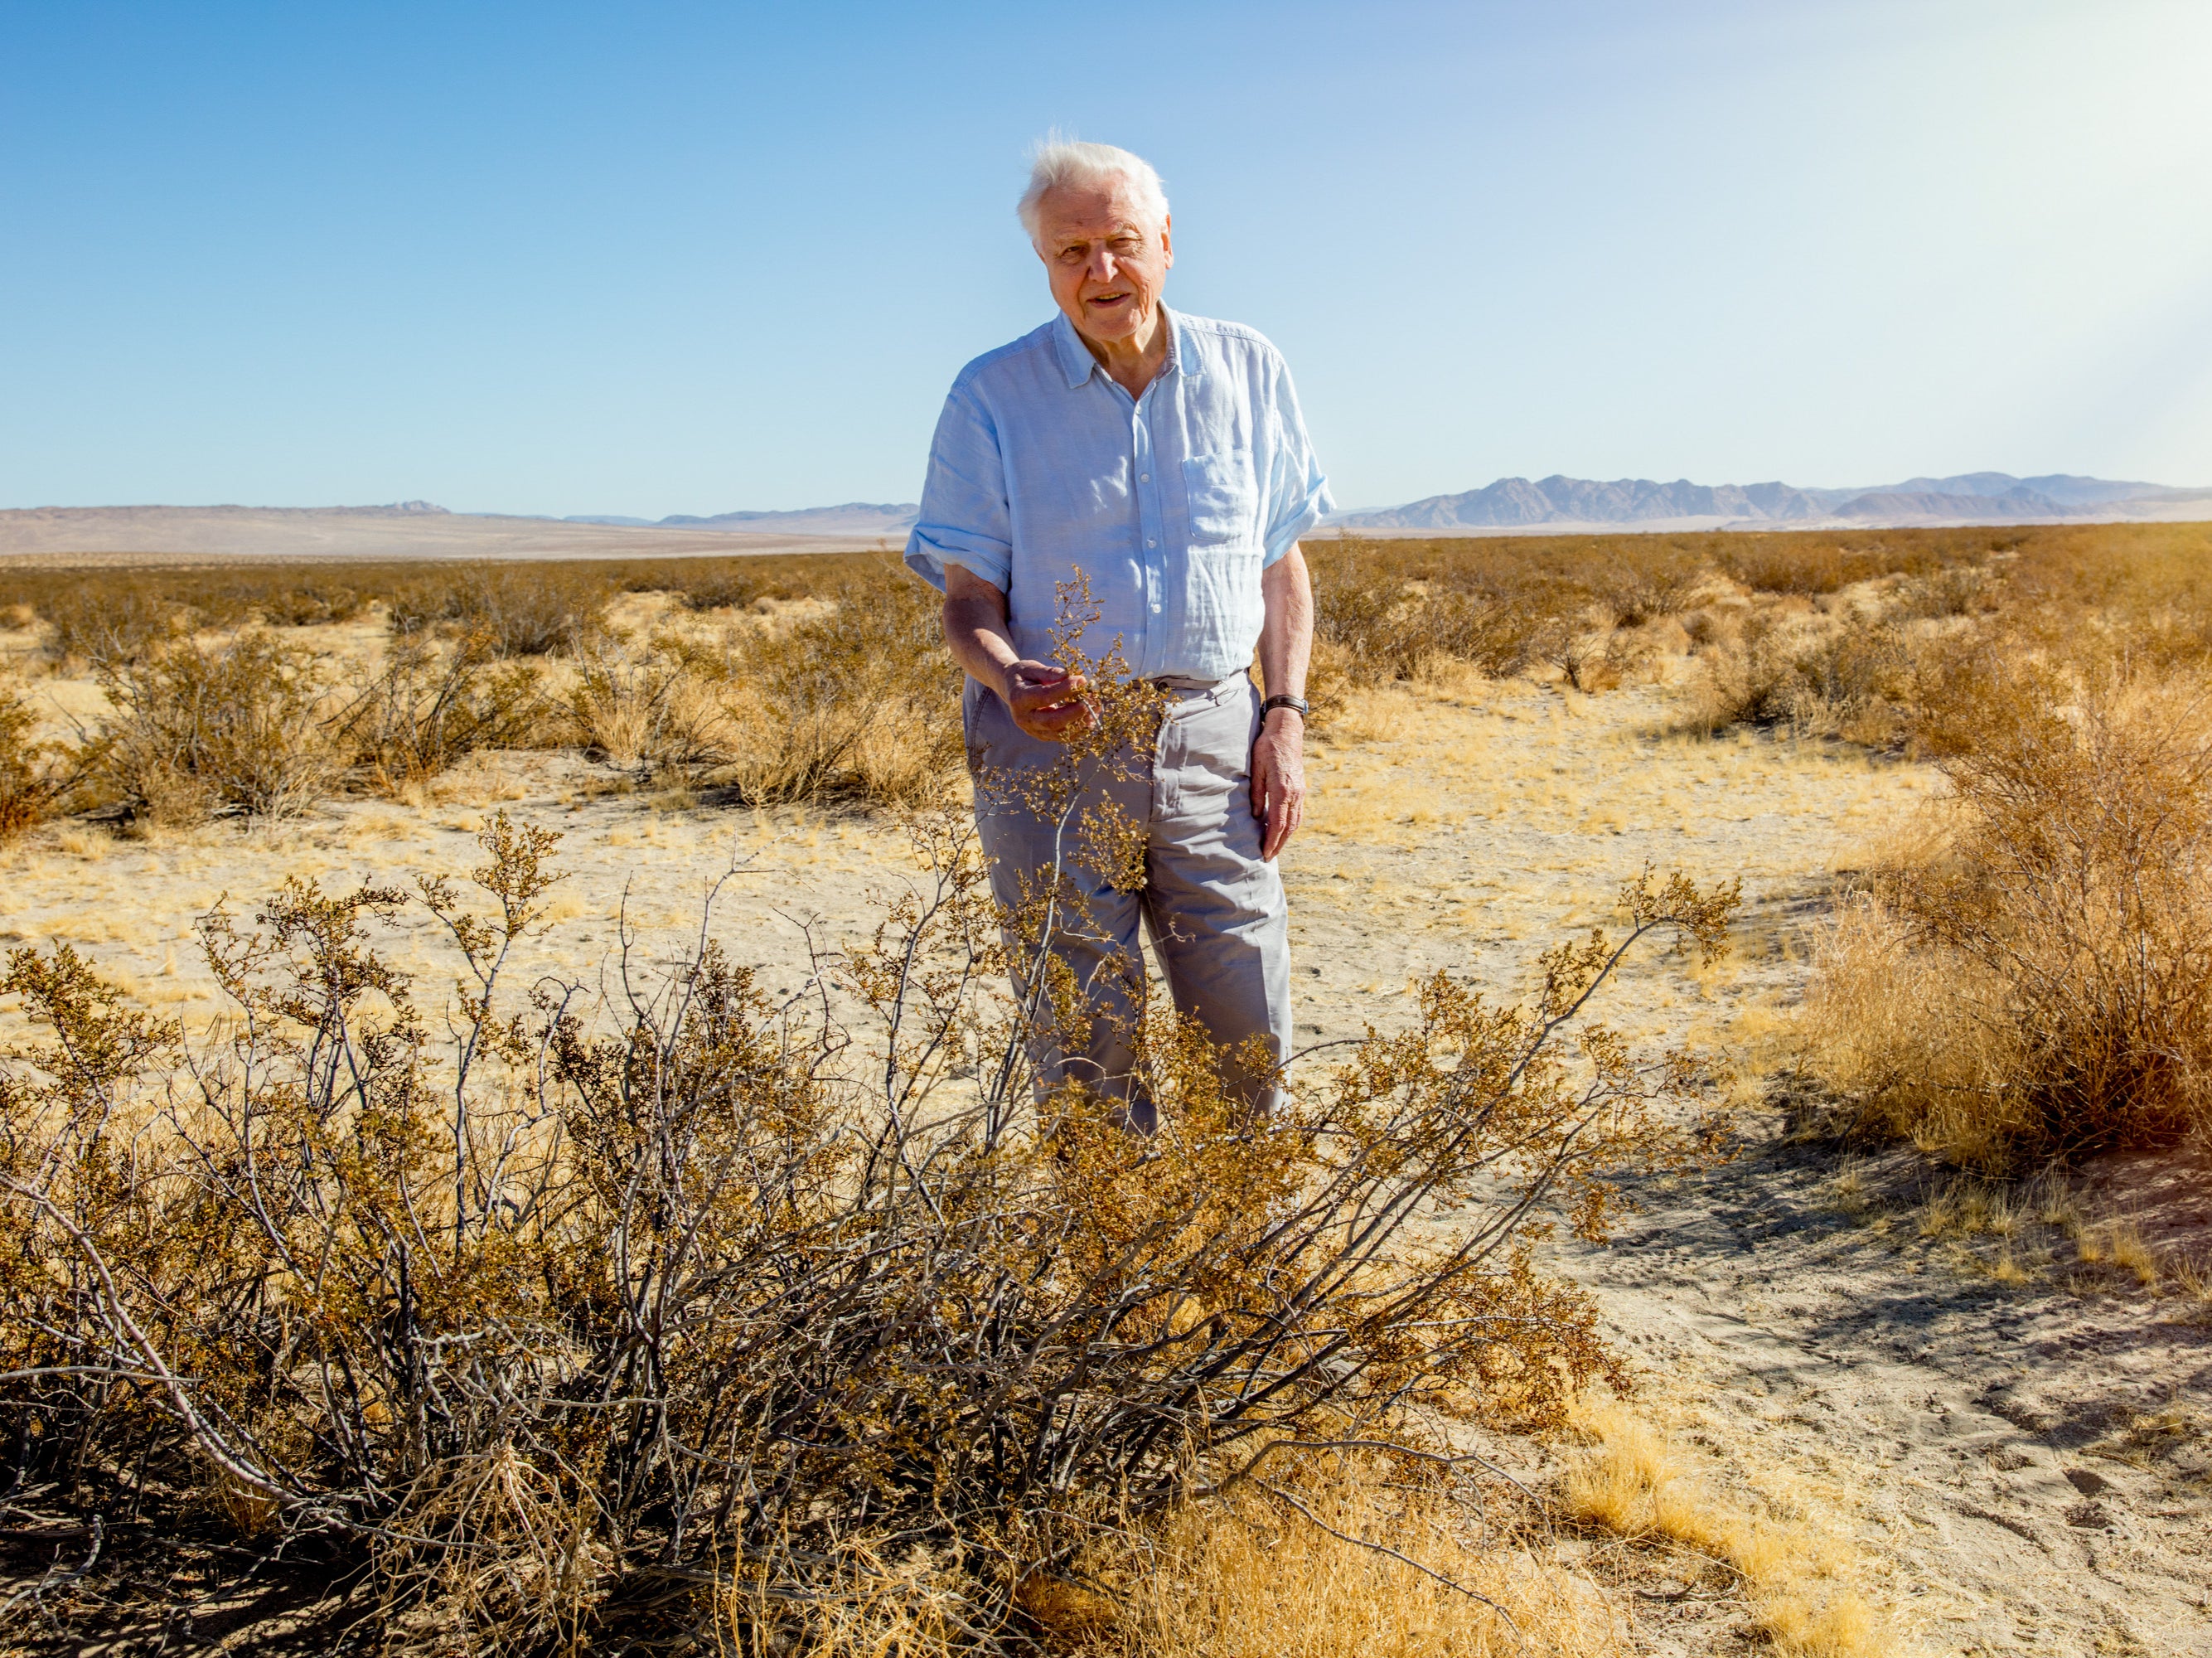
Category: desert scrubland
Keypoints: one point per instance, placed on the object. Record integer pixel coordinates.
(514, 1139)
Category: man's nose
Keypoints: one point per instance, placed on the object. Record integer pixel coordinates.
(1104, 266)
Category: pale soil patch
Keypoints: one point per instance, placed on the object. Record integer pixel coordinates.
(1999, 1461)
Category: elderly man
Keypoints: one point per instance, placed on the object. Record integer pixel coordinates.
(1163, 457)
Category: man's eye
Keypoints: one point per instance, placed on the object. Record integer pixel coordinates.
(1071, 255)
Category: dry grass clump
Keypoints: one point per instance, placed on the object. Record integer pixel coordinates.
(1882, 1024)
(581, 1319)
(1248, 1578)
(1631, 1483)
(2042, 981)
(646, 711)
(2029, 1232)
(2119, 1242)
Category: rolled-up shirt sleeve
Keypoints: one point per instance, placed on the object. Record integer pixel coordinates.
(1297, 492)
(965, 519)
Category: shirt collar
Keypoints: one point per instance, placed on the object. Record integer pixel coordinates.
(1078, 365)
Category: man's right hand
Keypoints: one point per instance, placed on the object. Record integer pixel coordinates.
(1047, 702)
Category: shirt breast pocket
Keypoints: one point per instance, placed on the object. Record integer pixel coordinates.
(1224, 498)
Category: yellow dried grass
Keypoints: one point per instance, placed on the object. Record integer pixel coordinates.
(1631, 1483)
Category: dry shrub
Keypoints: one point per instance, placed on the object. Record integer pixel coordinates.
(38, 776)
(570, 1314)
(860, 704)
(1389, 630)
(738, 584)
(90, 601)
(1590, 661)
(1860, 682)
(199, 731)
(92, 621)
(647, 711)
(1749, 678)
(1855, 677)
(1955, 590)
(307, 600)
(1633, 591)
(108, 614)
(517, 609)
(1715, 627)
(2060, 948)
(431, 704)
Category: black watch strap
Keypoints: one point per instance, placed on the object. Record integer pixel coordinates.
(1299, 703)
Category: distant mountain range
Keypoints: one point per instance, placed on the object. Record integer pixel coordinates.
(872, 518)
(1967, 497)
(1515, 503)
(417, 529)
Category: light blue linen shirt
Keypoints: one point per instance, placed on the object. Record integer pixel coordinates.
(1171, 502)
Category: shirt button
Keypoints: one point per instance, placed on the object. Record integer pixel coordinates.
(1144, 477)
(1150, 542)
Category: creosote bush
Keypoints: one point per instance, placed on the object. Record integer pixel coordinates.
(201, 730)
(430, 705)
(513, 609)
(686, 1309)
(93, 622)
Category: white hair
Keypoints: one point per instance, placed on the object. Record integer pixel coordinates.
(1057, 160)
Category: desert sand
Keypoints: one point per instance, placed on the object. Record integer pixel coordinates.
(75, 536)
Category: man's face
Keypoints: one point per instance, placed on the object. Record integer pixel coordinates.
(1106, 263)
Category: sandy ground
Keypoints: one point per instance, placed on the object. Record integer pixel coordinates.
(99, 536)
(2016, 1443)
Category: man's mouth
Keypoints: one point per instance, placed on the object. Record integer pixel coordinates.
(1108, 299)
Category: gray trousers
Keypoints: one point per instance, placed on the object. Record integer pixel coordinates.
(1215, 909)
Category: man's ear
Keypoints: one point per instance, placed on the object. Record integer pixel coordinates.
(1167, 238)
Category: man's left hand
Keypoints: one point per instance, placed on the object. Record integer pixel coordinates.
(1278, 778)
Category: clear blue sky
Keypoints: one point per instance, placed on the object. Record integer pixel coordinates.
(650, 258)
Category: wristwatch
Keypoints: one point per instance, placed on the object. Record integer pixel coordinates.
(1298, 703)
